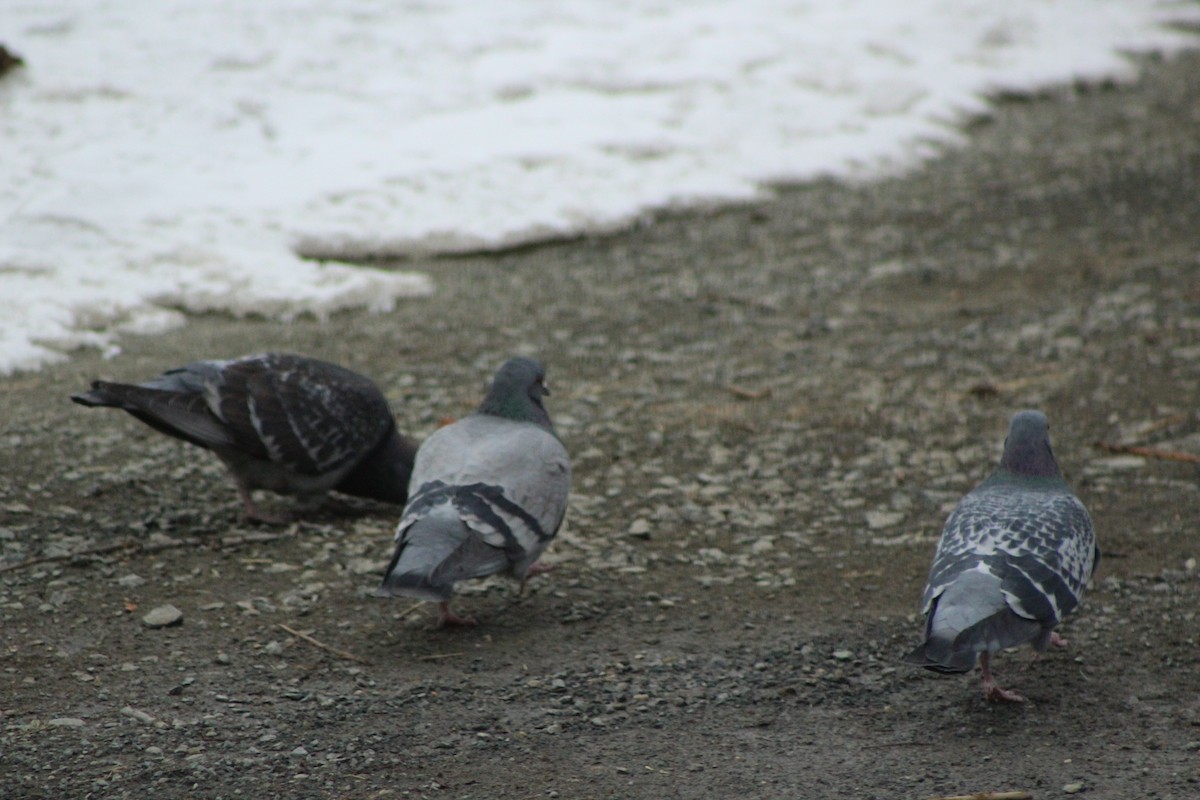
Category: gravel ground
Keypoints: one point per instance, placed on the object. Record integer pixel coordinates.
(770, 410)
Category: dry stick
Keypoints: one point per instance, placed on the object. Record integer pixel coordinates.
(989, 796)
(436, 656)
(410, 609)
(1148, 452)
(91, 551)
(747, 394)
(322, 646)
(140, 547)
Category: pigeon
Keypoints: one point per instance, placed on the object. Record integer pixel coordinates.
(1015, 557)
(489, 492)
(286, 423)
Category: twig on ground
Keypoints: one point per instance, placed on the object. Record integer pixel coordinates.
(436, 656)
(1148, 452)
(410, 609)
(747, 394)
(134, 546)
(322, 646)
(90, 551)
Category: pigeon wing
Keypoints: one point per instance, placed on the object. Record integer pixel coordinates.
(308, 416)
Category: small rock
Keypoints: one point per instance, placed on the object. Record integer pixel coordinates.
(883, 519)
(66, 722)
(299, 751)
(762, 545)
(130, 581)
(163, 616)
(843, 655)
(1073, 788)
(365, 566)
(640, 529)
(140, 716)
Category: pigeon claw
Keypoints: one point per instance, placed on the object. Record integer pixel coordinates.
(991, 690)
(536, 568)
(448, 617)
(993, 693)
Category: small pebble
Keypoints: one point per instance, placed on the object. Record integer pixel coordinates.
(66, 722)
(163, 616)
(1073, 788)
(140, 716)
(640, 529)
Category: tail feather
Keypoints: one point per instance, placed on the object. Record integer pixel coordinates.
(969, 618)
(182, 415)
(434, 554)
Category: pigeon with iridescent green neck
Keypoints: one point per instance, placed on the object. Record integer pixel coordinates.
(489, 492)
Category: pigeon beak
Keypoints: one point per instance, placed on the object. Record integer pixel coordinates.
(545, 389)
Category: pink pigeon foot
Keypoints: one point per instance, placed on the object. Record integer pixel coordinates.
(536, 568)
(252, 513)
(448, 617)
(1056, 640)
(991, 690)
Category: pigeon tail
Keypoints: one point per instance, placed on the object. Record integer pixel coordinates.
(183, 415)
(969, 618)
(434, 553)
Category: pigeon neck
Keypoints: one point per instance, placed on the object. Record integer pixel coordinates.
(1033, 461)
(516, 407)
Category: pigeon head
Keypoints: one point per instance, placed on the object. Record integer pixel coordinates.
(517, 392)
(1027, 446)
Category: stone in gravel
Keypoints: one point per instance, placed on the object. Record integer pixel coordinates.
(883, 519)
(163, 616)
(1073, 788)
(640, 529)
(130, 581)
(66, 722)
(140, 716)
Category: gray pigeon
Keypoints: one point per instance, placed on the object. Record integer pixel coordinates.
(285, 423)
(1015, 557)
(489, 493)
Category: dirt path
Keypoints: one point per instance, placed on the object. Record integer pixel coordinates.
(770, 411)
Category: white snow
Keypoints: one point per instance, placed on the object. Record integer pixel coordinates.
(168, 156)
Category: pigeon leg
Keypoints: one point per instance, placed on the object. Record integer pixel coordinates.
(251, 512)
(991, 690)
(536, 568)
(448, 617)
(1055, 641)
